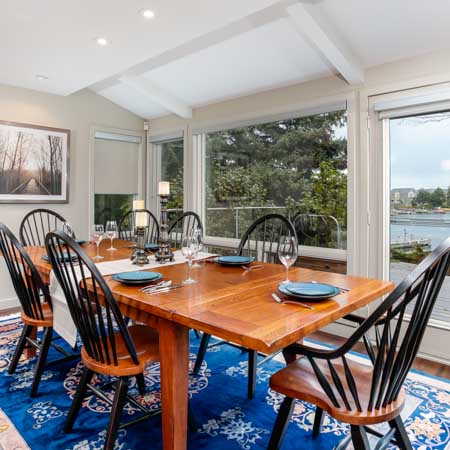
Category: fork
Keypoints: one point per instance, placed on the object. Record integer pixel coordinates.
(164, 289)
(248, 268)
(154, 287)
(282, 302)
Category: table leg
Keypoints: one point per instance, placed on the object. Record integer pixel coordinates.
(290, 355)
(31, 352)
(174, 354)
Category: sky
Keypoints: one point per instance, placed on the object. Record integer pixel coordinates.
(420, 152)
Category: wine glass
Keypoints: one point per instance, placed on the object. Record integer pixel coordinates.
(96, 237)
(68, 229)
(111, 232)
(197, 243)
(287, 253)
(188, 250)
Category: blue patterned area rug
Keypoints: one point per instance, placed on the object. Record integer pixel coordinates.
(226, 418)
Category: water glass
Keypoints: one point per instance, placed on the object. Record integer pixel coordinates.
(68, 229)
(197, 243)
(188, 250)
(287, 253)
(111, 232)
(96, 237)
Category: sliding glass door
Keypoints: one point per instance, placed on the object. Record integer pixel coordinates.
(420, 196)
(411, 180)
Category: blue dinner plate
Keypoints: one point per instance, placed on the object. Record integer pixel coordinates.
(310, 291)
(151, 247)
(234, 260)
(65, 256)
(137, 277)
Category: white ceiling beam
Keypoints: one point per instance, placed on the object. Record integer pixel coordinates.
(308, 21)
(228, 31)
(157, 95)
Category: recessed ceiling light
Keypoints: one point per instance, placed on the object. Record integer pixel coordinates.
(147, 13)
(41, 77)
(102, 41)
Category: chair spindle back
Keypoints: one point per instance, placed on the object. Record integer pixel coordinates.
(396, 338)
(127, 225)
(27, 282)
(91, 303)
(264, 237)
(36, 224)
(182, 226)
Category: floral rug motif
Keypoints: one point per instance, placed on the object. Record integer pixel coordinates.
(226, 419)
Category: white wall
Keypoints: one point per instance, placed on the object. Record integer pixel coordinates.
(77, 112)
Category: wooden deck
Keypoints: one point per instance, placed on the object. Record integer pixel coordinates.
(441, 310)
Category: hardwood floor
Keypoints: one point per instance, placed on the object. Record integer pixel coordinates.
(424, 365)
(7, 312)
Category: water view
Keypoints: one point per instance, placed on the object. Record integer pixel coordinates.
(411, 227)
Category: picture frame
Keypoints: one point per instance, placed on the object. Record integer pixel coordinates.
(34, 163)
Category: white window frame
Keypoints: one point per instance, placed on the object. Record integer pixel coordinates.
(347, 102)
(115, 134)
(381, 109)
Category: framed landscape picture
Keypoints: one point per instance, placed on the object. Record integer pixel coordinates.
(34, 164)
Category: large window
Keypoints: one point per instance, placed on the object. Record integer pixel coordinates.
(117, 177)
(296, 167)
(172, 171)
(420, 199)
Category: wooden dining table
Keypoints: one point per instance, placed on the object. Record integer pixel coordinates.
(230, 303)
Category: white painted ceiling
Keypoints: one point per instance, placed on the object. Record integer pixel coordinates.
(57, 38)
(267, 56)
(202, 51)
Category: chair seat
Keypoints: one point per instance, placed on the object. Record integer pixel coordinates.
(46, 322)
(298, 380)
(147, 349)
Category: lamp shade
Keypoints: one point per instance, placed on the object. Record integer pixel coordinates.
(141, 219)
(138, 204)
(164, 188)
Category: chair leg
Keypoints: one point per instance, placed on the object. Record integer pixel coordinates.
(359, 438)
(197, 334)
(116, 411)
(19, 348)
(80, 394)
(141, 384)
(401, 436)
(192, 423)
(45, 346)
(201, 352)
(318, 422)
(252, 369)
(281, 424)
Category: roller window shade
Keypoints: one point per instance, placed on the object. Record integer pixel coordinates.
(116, 167)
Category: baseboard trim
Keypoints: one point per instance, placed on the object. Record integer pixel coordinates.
(8, 303)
